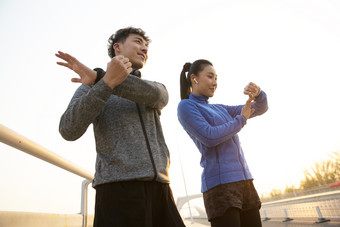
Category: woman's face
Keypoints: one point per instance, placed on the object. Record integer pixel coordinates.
(206, 82)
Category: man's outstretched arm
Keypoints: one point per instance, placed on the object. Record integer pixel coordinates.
(86, 75)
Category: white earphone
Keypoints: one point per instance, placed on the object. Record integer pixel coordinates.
(195, 80)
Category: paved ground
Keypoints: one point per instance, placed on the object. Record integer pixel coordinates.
(272, 223)
(197, 223)
(300, 223)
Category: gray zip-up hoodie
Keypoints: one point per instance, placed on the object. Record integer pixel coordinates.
(122, 152)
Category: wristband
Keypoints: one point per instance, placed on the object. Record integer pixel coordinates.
(100, 75)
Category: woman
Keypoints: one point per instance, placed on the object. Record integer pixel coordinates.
(229, 195)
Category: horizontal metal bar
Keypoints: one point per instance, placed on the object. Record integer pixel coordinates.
(304, 199)
(13, 139)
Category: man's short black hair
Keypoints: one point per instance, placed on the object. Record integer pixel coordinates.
(121, 35)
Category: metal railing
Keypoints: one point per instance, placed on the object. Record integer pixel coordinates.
(13, 139)
(303, 192)
(321, 207)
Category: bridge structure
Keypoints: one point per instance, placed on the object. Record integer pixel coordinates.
(316, 208)
(320, 208)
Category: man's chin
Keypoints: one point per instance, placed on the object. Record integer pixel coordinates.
(138, 65)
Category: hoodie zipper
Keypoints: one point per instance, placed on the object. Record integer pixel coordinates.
(147, 142)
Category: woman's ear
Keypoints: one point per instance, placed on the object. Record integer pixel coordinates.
(193, 79)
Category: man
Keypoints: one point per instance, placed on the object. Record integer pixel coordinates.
(131, 178)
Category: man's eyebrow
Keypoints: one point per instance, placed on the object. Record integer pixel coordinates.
(142, 40)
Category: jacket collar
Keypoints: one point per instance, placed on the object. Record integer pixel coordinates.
(136, 73)
(199, 98)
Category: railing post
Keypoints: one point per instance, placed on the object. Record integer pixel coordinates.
(320, 219)
(265, 216)
(84, 201)
(286, 214)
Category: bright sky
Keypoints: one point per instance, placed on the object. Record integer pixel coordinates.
(290, 48)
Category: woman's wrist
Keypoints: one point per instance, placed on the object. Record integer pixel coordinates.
(258, 93)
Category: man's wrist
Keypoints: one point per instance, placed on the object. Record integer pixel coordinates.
(100, 75)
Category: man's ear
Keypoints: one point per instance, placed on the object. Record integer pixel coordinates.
(116, 48)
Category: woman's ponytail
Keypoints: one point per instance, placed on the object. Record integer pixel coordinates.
(195, 68)
(184, 82)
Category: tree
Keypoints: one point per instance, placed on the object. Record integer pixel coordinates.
(325, 172)
(275, 192)
(322, 173)
(289, 190)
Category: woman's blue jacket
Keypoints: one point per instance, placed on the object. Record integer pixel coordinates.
(214, 128)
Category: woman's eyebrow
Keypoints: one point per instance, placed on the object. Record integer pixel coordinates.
(211, 73)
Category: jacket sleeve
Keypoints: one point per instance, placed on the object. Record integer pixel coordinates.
(85, 105)
(261, 106)
(149, 93)
(199, 128)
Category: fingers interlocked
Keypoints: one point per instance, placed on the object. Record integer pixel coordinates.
(252, 90)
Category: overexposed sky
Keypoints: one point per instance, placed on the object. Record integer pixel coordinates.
(290, 48)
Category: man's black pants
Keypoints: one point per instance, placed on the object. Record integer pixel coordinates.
(135, 204)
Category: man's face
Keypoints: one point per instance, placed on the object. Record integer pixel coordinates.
(135, 48)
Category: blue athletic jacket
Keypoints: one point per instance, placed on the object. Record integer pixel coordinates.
(214, 128)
